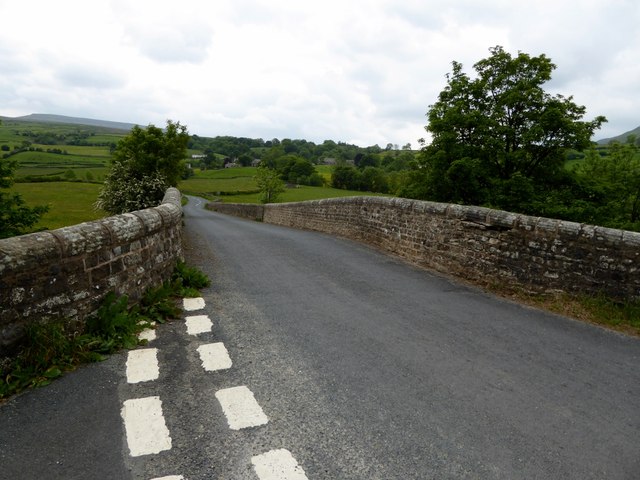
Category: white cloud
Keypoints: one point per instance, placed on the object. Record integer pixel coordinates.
(363, 72)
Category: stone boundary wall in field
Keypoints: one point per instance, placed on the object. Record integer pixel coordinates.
(65, 273)
(478, 244)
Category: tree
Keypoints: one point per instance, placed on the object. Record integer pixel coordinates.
(145, 163)
(269, 183)
(499, 126)
(615, 179)
(295, 169)
(15, 216)
(373, 179)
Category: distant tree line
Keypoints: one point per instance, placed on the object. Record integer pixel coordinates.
(19, 149)
(357, 168)
(76, 137)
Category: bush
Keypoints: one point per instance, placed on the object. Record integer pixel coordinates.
(124, 193)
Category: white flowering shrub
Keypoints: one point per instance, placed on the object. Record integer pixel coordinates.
(145, 163)
(123, 192)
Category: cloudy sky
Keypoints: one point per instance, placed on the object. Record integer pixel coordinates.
(359, 71)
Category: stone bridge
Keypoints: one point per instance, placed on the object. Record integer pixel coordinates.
(66, 273)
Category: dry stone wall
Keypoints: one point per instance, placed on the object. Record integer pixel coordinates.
(478, 244)
(65, 273)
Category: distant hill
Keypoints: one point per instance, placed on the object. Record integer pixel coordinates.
(621, 138)
(47, 118)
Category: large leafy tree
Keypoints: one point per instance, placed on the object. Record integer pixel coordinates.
(145, 163)
(499, 137)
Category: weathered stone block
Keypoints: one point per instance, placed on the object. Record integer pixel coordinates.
(84, 238)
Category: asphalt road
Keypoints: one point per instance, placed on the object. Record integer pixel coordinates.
(366, 367)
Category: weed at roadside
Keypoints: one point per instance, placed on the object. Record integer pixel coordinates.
(52, 348)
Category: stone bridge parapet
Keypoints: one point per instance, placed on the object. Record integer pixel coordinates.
(65, 273)
(478, 244)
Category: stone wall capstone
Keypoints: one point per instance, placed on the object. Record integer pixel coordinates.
(65, 273)
(475, 243)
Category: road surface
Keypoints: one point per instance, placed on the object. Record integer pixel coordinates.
(362, 367)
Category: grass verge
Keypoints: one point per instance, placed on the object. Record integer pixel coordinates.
(52, 348)
(621, 316)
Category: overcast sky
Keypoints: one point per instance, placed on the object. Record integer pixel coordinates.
(359, 71)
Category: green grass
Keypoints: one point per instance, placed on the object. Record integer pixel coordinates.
(229, 183)
(105, 138)
(196, 186)
(82, 150)
(621, 316)
(300, 194)
(69, 203)
(228, 173)
(43, 164)
(45, 159)
(325, 171)
(96, 174)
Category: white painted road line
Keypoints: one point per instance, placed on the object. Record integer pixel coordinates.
(214, 357)
(142, 365)
(148, 334)
(198, 324)
(170, 477)
(241, 408)
(191, 304)
(277, 465)
(146, 430)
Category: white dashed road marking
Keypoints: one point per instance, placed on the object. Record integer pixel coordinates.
(142, 365)
(214, 357)
(146, 430)
(191, 304)
(277, 465)
(148, 334)
(241, 408)
(145, 427)
(198, 324)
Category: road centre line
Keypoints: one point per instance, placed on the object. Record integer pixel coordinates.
(142, 365)
(214, 356)
(144, 424)
(191, 304)
(198, 324)
(277, 465)
(241, 408)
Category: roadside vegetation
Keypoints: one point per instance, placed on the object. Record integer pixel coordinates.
(52, 348)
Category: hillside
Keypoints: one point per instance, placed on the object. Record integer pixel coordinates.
(48, 118)
(621, 138)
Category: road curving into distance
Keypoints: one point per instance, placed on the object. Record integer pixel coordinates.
(315, 358)
(372, 368)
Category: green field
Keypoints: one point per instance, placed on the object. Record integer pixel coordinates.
(301, 194)
(86, 162)
(44, 164)
(69, 203)
(229, 184)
